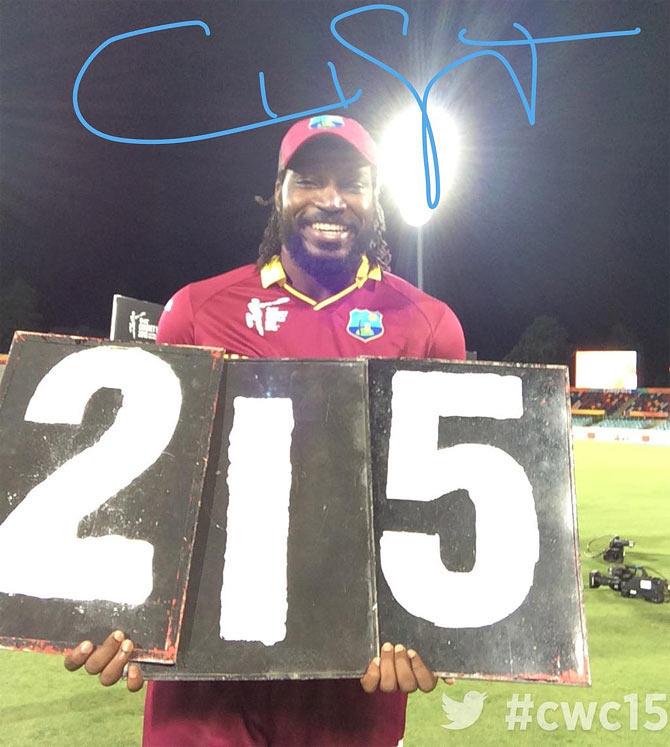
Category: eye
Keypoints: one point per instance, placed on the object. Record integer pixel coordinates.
(305, 181)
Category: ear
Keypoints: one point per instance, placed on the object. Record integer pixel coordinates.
(278, 186)
(376, 182)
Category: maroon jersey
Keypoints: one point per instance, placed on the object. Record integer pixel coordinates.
(258, 314)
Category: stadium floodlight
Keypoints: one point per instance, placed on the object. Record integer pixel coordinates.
(402, 169)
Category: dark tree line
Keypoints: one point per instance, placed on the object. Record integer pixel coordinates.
(19, 309)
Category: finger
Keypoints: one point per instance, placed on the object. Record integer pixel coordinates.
(135, 678)
(403, 670)
(370, 680)
(425, 679)
(101, 657)
(387, 682)
(111, 674)
(78, 656)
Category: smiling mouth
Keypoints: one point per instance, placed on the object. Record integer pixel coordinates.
(329, 231)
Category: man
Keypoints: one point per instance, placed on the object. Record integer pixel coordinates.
(320, 289)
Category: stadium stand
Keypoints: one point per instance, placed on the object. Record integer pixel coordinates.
(583, 420)
(637, 409)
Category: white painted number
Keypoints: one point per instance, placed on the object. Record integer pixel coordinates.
(498, 487)
(40, 554)
(254, 594)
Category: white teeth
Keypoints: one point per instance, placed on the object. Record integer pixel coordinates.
(329, 227)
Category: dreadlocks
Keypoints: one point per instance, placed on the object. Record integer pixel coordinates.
(378, 252)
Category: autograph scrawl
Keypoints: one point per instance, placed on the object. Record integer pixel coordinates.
(432, 180)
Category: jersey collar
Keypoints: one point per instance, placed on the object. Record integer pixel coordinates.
(273, 273)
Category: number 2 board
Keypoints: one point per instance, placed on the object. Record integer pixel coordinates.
(103, 450)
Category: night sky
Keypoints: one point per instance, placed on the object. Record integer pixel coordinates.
(567, 218)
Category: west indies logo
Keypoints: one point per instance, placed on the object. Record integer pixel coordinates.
(365, 325)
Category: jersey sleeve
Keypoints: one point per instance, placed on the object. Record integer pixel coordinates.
(448, 341)
(176, 323)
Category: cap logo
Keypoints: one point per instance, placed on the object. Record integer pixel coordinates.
(365, 325)
(325, 121)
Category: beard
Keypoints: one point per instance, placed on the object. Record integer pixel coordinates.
(332, 271)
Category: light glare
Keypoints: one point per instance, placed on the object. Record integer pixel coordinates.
(402, 168)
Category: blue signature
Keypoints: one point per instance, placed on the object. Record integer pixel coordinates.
(427, 136)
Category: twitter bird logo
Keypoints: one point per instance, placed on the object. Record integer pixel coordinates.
(463, 714)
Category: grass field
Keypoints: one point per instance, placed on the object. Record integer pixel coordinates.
(621, 489)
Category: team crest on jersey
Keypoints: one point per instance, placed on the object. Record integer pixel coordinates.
(365, 325)
(325, 121)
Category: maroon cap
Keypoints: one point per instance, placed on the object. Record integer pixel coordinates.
(306, 129)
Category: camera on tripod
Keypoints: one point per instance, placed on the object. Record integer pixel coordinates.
(631, 581)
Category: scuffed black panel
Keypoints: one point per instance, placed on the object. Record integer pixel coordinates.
(544, 638)
(331, 625)
(159, 506)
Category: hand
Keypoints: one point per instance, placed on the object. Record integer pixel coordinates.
(107, 660)
(398, 668)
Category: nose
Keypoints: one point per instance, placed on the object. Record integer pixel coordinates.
(330, 198)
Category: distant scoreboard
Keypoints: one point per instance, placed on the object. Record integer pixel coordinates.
(606, 369)
(279, 519)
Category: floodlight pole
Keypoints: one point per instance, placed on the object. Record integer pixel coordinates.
(419, 257)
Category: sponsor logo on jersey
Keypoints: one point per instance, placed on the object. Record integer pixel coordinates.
(266, 316)
(324, 121)
(365, 325)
